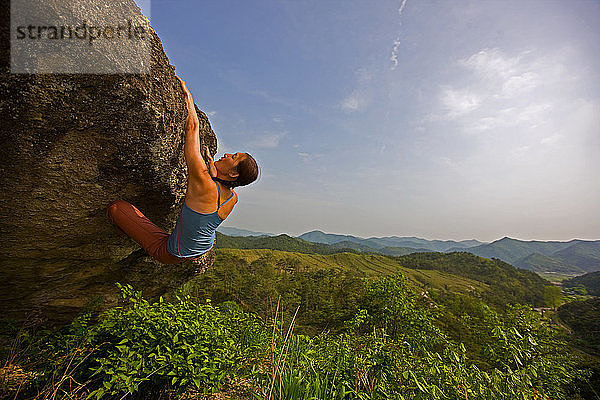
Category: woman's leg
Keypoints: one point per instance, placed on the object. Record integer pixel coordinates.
(131, 221)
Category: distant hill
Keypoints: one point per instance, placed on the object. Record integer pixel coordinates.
(576, 255)
(584, 254)
(510, 250)
(540, 263)
(389, 241)
(388, 250)
(328, 238)
(590, 281)
(279, 242)
(568, 258)
(230, 231)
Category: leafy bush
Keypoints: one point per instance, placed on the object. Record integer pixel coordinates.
(397, 346)
(157, 346)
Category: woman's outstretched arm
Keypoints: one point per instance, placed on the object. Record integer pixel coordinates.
(197, 168)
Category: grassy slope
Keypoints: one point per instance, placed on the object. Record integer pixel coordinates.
(371, 265)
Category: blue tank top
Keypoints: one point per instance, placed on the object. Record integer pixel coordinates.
(194, 233)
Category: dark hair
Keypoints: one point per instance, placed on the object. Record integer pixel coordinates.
(247, 170)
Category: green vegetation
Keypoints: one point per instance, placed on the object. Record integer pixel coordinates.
(540, 263)
(507, 284)
(585, 284)
(269, 324)
(583, 317)
(280, 242)
(552, 258)
(554, 277)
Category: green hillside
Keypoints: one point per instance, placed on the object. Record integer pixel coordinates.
(507, 283)
(258, 331)
(543, 264)
(369, 266)
(555, 258)
(399, 251)
(590, 281)
(275, 242)
(498, 282)
(511, 250)
(315, 326)
(583, 317)
(347, 244)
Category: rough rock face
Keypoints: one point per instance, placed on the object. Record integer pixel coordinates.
(69, 145)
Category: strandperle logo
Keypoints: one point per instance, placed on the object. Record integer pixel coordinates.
(79, 37)
(83, 31)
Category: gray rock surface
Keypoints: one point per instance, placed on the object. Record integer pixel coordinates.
(69, 145)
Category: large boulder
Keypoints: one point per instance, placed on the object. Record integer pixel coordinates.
(70, 144)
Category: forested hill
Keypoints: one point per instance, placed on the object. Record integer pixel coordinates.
(379, 243)
(508, 284)
(591, 283)
(411, 325)
(583, 317)
(287, 243)
(280, 242)
(574, 257)
(497, 282)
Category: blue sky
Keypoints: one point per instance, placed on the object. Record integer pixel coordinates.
(446, 120)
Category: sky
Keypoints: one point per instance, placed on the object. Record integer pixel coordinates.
(438, 119)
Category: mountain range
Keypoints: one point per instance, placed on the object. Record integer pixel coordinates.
(231, 231)
(574, 257)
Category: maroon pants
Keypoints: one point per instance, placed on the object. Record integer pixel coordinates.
(135, 224)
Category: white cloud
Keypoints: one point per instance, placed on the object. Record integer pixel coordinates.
(211, 113)
(517, 84)
(500, 90)
(396, 48)
(458, 102)
(491, 62)
(268, 141)
(394, 56)
(361, 96)
(350, 103)
(305, 156)
(310, 157)
(529, 116)
(357, 101)
(534, 114)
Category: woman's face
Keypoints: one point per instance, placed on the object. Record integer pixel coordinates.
(228, 162)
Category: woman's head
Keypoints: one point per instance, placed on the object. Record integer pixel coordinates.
(237, 169)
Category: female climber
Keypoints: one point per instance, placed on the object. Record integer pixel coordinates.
(209, 199)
